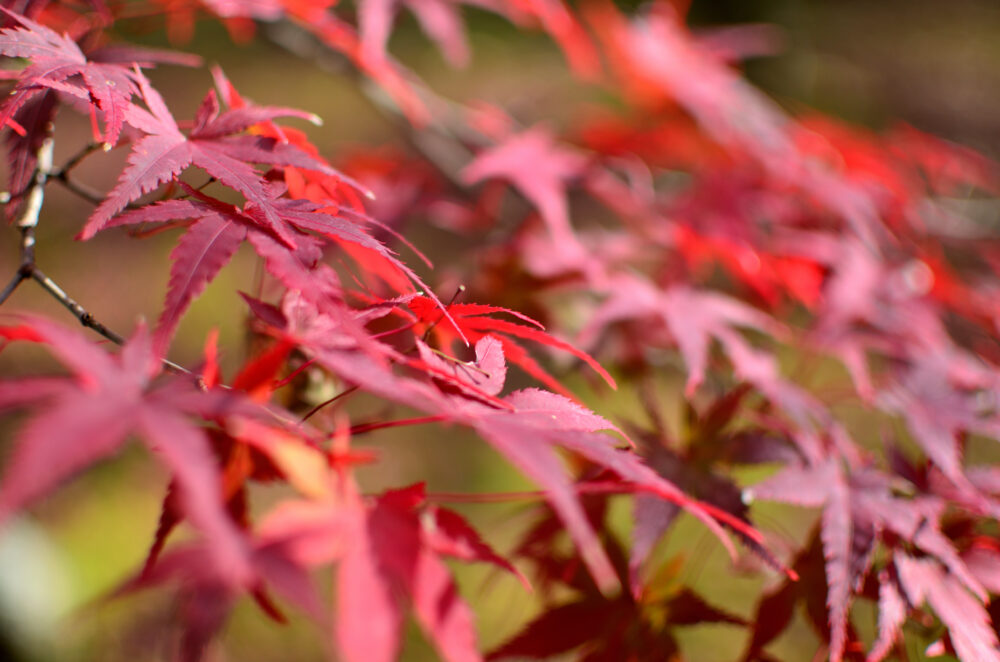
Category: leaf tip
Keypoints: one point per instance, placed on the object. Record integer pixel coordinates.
(609, 586)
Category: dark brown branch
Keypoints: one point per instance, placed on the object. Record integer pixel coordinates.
(76, 159)
(86, 319)
(26, 223)
(82, 190)
(27, 220)
(61, 175)
(11, 286)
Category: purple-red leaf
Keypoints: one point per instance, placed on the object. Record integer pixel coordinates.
(967, 620)
(93, 414)
(199, 255)
(891, 616)
(166, 152)
(451, 535)
(540, 170)
(57, 63)
(369, 620)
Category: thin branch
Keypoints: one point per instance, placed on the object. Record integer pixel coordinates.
(82, 190)
(314, 410)
(86, 319)
(11, 286)
(27, 221)
(61, 175)
(77, 158)
(89, 321)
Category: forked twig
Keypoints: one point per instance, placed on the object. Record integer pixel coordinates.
(27, 222)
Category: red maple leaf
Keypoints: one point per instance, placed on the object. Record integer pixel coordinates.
(439, 19)
(390, 553)
(473, 321)
(540, 170)
(165, 152)
(858, 507)
(219, 228)
(89, 416)
(57, 63)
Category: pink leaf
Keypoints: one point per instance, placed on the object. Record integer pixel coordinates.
(184, 448)
(200, 254)
(835, 533)
(891, 616)
(539, 170)
(441, 612)
(369, 620)
(451, 535)
(65, 438)
(966, 618)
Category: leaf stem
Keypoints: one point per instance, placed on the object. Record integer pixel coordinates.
(430, 327)
(526, 495)
(362, 428)
(314, 410)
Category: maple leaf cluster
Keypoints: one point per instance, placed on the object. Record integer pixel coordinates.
(785, 236)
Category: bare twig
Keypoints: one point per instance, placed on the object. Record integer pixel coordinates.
(77, 158)
(430, 327)
(61, 175)
(11, 286)
(27, 220)
(26, 223)
(86, 319)
(82, 190)
(314, 410)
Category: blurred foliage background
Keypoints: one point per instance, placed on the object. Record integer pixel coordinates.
(933, 64)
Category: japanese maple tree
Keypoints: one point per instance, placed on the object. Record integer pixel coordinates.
(691, 227)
